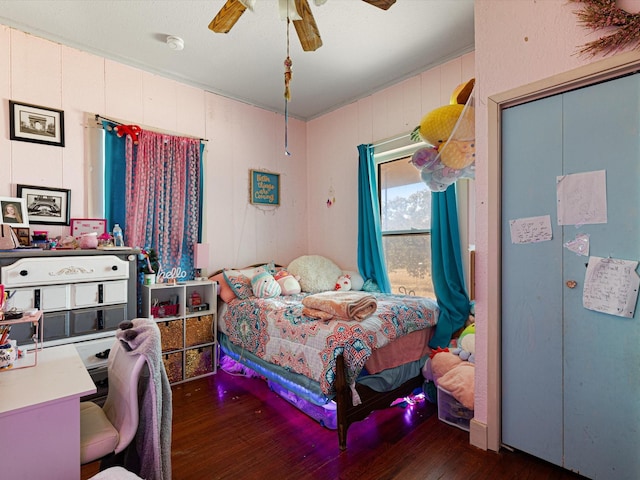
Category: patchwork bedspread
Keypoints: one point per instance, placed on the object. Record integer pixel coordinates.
(275, 330)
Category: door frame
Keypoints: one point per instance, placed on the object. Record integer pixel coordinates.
(602, 70)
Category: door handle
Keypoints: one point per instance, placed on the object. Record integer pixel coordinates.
(571, 283)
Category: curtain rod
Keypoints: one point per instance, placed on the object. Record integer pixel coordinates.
(100, 117)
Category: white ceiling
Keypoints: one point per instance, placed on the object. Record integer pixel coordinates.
(364, 48)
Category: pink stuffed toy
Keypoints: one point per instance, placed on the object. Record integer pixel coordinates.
(289, 284)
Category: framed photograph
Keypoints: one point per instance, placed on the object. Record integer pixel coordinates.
(80, 226)
(13, 211)
(31, 123)
(265, 187)
(45, 205)
(23, 236)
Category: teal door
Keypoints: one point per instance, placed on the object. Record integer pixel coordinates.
(570, 375)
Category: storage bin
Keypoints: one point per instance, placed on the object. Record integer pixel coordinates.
(169, 310)
(198, 361)
(173, 366)
(199, 330)
(171, 335)
(451, 411)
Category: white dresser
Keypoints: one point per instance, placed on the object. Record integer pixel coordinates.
(84, 295)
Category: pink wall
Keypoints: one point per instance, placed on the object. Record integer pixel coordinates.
(241, 137)
(333, 156)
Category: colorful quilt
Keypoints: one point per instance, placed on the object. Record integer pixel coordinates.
(275, 330)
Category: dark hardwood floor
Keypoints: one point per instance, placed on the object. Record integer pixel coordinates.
(228, 427)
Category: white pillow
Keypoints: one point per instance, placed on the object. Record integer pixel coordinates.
(317, 273)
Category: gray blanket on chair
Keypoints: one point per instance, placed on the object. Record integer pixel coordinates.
(153, 439)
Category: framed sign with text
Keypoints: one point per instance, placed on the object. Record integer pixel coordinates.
(264, 187)
(80, 226)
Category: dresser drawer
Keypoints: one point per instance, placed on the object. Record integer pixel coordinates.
(92, 320)
(101, 293)
(48, 298)
(55, 326)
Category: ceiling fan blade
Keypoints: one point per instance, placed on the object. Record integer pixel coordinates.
(306, 28)
(227, 16)
(383, 4)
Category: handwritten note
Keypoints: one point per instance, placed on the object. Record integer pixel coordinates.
(531, 230)
(582, 198)
(611, 286)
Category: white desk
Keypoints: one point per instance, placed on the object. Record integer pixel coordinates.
(40, 416)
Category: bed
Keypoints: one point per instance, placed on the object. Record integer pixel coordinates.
(361, 364)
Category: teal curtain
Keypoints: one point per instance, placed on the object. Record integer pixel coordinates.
(370, 252)
(446, 267)
(201, 188)
(115, 167)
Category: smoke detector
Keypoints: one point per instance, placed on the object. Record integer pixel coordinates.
(175, 43)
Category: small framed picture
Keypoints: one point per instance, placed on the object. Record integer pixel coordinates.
(45, 205)
(14, 212)
(264, 188)
(31, 123)
(23, 236)
(80, 226)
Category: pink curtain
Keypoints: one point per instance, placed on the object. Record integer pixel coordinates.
(162, 197)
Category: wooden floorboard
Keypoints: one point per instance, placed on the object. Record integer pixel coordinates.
(229, 427)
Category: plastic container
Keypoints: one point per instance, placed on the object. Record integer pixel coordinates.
(451, 411)
(118, 236)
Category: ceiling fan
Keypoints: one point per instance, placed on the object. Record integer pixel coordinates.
(296, 10)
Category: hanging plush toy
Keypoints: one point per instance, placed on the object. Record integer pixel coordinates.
(132, 130)
(450, 130)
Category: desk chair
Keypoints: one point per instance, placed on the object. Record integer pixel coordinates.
(107, 431)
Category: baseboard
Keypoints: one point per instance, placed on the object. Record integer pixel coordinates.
(478, 434)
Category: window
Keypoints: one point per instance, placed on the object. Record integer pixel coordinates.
(405, 219)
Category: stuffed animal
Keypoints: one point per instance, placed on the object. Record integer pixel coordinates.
(264, 285)
(357, 281)
(132, 131)
(466, 348)
(343, 283)
(450, 130)
(289, 284)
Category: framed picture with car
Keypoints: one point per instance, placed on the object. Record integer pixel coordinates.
(46, 205)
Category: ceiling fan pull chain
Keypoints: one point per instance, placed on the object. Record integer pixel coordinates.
(287, 92)
(287, 77)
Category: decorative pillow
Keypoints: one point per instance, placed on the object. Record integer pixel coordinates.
(271, 267)
(317, 273)
(442, 362)
(239, 283)
(370, 285)
(226, 294)
(288, 283)
(264, 285)
(356, 279)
